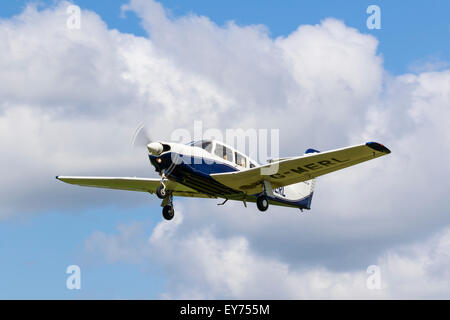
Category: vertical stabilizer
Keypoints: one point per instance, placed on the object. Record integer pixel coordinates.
(308, 188)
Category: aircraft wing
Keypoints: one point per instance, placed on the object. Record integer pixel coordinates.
(132, 184)
(299, 169)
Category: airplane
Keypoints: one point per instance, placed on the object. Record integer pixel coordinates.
(212, 169)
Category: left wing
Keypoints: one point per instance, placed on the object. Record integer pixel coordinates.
(294, 170)
(133, 184)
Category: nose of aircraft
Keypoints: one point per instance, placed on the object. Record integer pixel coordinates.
(155, 148)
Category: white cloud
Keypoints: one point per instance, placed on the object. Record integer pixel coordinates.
(70, 100)
(202, 265)
(428, 64)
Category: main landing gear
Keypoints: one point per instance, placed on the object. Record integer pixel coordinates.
(262, 202)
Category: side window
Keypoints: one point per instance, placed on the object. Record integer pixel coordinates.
(223, 152)
(240, 160)
(252, 165)
(220, 151)
(229, 154)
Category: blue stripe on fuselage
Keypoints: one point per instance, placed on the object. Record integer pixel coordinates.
(194, 172)
(192, 164)
(206, 166)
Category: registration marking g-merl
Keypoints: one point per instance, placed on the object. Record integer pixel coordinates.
(310, 167)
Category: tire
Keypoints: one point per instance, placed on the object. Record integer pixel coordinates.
(168, 212)
(161, 192)
(262, 203)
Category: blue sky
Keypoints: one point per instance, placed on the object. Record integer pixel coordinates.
(37, 250)
(37, 247)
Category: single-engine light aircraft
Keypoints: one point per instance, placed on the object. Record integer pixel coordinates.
(211, 169)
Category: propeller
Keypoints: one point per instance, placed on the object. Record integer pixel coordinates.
(142, 138)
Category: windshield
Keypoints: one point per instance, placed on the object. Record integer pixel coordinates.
(204, 144)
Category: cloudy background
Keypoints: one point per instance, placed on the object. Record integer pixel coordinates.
(71, 99)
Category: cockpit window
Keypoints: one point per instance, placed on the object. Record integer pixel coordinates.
(205, 145)
(223, 152)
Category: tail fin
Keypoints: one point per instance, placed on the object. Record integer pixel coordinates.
(300, 194)
(308, 186)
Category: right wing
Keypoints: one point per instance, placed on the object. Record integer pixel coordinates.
(133, 184)
(294, 170)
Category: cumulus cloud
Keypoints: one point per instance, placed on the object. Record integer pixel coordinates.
(429, 64)
(201, 265)
(321, 73)
(86, 90)
(70, 100)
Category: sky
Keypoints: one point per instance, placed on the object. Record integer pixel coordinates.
(70, 100)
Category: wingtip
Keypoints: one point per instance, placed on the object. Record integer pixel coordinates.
(378, 147)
